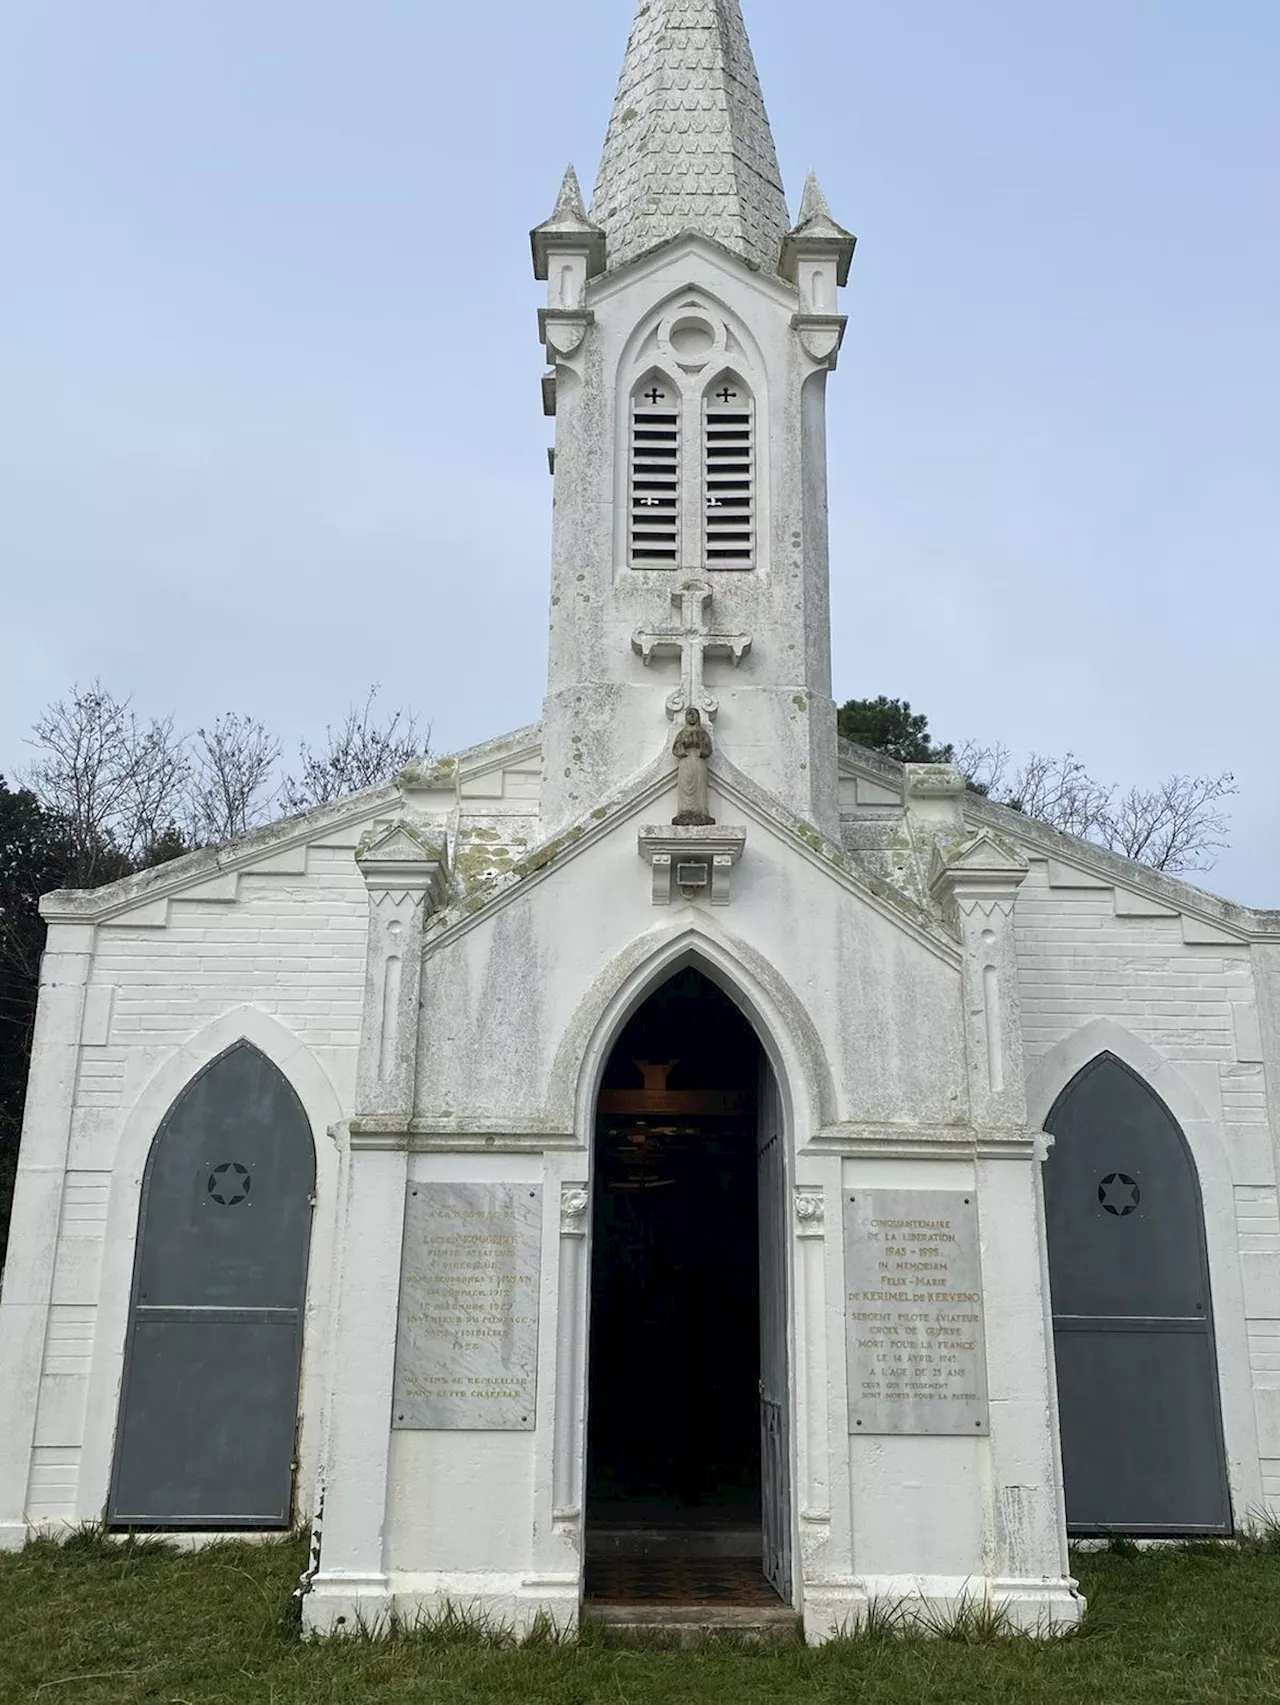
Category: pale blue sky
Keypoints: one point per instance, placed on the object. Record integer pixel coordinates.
(269, 411)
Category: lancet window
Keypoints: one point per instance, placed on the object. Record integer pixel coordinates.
(729, 473)
(692, 470)
(654, 497)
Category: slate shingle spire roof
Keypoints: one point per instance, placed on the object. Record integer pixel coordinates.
(689, 146)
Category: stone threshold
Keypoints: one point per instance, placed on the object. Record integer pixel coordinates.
(689, 1624)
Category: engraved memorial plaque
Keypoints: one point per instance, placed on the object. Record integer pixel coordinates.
(467, 1342)
(913, 1312)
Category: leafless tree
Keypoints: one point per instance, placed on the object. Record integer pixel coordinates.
(360, 752)
(983, 767)
(1062, 792)
(115, 779)
(1177, 826)
(228, 787)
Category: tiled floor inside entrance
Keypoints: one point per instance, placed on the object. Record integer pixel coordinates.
(678, 1581)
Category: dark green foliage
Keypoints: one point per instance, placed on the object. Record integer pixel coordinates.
(36, 854)
(889, 726)
(107, 1623)
(171, 843)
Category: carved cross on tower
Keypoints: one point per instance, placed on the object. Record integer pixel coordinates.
(691, 641)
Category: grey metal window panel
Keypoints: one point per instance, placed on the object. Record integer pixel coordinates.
(1138, 1400)
(208, 1408)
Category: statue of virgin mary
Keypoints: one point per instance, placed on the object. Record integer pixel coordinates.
(692, 749)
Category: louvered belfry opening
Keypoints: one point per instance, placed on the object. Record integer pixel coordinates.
(655, 474)
(729, 456)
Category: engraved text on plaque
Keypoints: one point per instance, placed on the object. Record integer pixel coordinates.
(913, 1312)
(467, 1343)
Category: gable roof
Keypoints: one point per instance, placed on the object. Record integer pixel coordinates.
(1147, 892)
(755, 804)
(274, 843)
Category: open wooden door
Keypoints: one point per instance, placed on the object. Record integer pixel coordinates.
(775, 1441)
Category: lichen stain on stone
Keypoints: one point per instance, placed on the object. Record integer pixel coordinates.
(416, 773)
(544, 856)
(480, 864)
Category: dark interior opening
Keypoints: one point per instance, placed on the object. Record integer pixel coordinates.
(673, 1428)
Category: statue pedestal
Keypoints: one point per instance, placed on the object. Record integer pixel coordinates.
(694, 862)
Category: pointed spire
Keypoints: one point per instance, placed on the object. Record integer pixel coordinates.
(814, 210)
(568, 227)
(570, 208)
(816, 232)
(689, 146)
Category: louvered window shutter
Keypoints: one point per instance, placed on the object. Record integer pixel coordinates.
(655, 475)
(730, 473)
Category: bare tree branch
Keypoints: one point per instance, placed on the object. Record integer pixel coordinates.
(1178, 825)
(231, 767)
(1062, 792)
(360, 753)
(983, 767)
(115, 780)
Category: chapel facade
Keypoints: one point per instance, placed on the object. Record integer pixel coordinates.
(853, 1183)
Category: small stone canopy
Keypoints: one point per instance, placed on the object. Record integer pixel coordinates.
(816, 233)
(567, 228)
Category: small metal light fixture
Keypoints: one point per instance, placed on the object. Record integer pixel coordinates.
(692, 878)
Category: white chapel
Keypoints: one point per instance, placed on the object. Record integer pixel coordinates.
(664, 1144)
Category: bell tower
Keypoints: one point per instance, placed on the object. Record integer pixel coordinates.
(689, 331)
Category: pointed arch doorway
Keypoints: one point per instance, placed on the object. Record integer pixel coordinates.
(1138, 1403)
(209, 1399)
(688, 1393)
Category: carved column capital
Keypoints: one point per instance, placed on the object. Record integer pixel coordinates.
(820, 336)
(563, 331)
(811, 1213)
(575, 1201)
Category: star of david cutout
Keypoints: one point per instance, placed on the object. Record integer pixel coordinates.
(1119, 1194)
(229, 1183)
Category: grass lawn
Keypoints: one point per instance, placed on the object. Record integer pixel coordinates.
(95, 1623)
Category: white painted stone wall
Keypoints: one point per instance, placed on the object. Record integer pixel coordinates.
(859, 1000)
(274, 952)
(604, 720)
(861, 1003)
(1177, 997)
